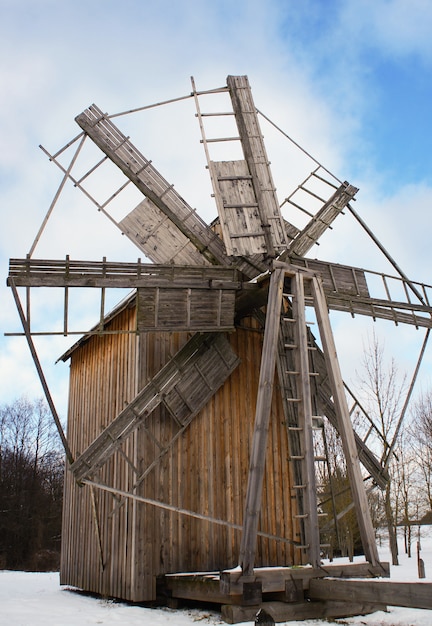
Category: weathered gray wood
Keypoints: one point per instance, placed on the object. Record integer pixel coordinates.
(262, 415)
(325, 397)
(344, 426)
(198, 587)
(150, 182)
(185, 309)
(415, 595)
(337, 278)
(158, 237)
(254, 150)
(70, 273)
(194, 373)
(304, 407)
(283, 612)
(273, 579)
(237, 206)
(322, 220)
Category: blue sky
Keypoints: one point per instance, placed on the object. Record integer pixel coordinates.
(349, 80)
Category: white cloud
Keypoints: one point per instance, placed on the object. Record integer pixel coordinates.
(309, 79)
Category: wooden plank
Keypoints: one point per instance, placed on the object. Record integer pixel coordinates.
(283, 612)
(305, 421)
(343, 279)
(198, 587)
(102, 274)
(414, 595)
(158, 237)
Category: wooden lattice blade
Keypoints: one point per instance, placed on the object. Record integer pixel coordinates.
(245, 194)
(350, 289)
(163, 242)
(184, 386)
(158, 237)
(151, 183)
(169, 297)
(322, 220)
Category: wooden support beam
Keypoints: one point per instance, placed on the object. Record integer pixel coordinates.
(414, 595)
(262, 416)
(283, 612)
(273, 579)
(41, 375)
(344, 425)
(312, 533)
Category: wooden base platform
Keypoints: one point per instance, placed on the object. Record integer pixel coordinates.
(282, 592)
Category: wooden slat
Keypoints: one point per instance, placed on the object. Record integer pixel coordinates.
(273, 579)
(262, 416)
(283, 612)
(337, 279)
(325, 398)
(304, 408)
(70, 273)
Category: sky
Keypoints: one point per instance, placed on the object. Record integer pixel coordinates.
(348, 80)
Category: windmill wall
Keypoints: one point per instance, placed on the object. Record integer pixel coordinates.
(118, 546)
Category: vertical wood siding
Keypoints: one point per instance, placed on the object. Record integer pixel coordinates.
(205, 471)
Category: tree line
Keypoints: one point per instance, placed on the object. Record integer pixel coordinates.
(31, 487)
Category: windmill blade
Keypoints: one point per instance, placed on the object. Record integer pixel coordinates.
(168, 298)
(158, 237)
(163, 225)
(244, 190)
(349, 289)
(151, 183)
(322, 220)
(184, 386)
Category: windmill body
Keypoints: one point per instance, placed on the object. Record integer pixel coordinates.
(195, 405)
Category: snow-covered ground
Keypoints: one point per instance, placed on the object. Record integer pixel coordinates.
(35, 599)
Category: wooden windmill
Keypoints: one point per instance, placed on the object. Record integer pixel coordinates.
(203, 282)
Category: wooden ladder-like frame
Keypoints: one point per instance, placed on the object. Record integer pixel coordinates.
(265, 391)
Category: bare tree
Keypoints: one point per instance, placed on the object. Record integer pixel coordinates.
(31, 478)
(421, 433)
(383, 388)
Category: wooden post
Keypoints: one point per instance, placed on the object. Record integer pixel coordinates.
(262, 416)
(312, 533)
(345, 427)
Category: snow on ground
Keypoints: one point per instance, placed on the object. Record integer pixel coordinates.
(36, 599)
